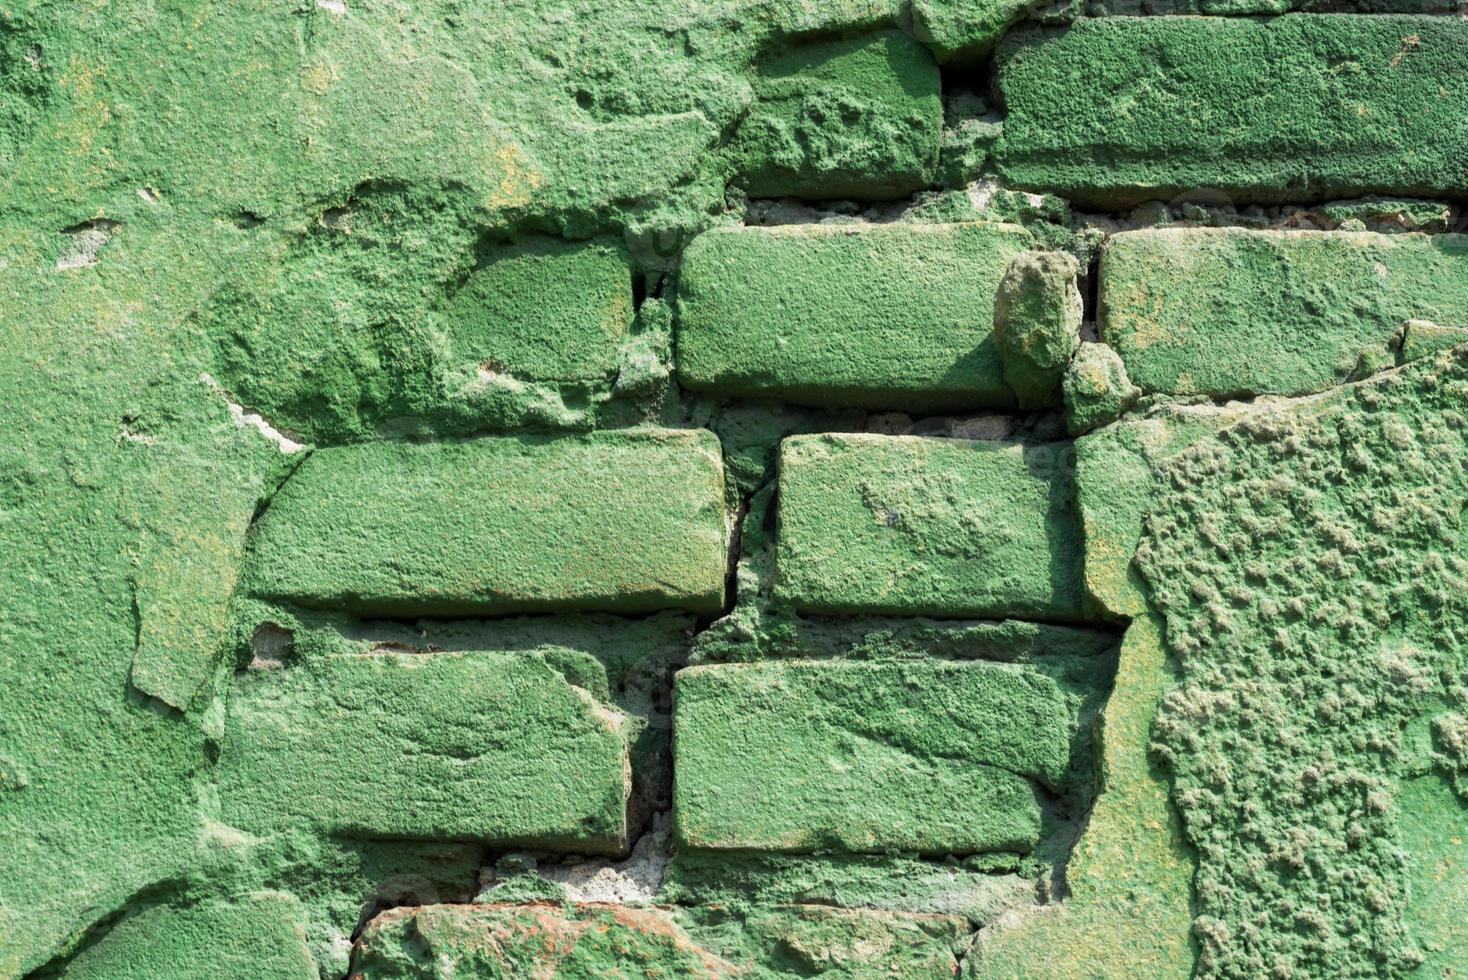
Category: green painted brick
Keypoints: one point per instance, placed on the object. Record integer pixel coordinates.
(479, 746)
(545, 310)
(943, 527)
(493, 940)
(896, 316)
(1117, 110)
(1226, 311)
(932, 756)
(624, 521)
(856, 117)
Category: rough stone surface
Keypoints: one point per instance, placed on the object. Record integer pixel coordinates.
(1117, 485)
(503, 748)
(1037, 324)
(438, 942)
(1226, 312)
(959, 30)
(1128, 912)
(943, 527)
(1309, 564)
(853, 117)
(625, 522)
(809, 755)
(1095, 389)
(909, 327)
(1113, 111)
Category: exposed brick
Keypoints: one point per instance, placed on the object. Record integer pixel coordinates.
(1117, 110)
(943, 527)
(468, 746)
(843, 118)
(934, 757)
(530, 940)
(545, 310)
(619, 521)
(893, 316)
(1225, 311)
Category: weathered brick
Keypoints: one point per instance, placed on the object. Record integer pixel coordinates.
(545, 310)
(481, 746)
(530, 940)
(858, 117)
(622, 521)
(893, 316)
(926, 756)
(1116, 110)
(944, 527)
(1225, 311)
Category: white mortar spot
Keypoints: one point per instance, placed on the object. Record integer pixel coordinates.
(249, 420)
(337, 7)
(87, 240)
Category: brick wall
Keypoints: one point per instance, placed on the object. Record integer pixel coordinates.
(775, 489)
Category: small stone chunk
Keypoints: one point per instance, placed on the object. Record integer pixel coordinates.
(1037, 323)
(544, 310)
(963, 29)
(1095, 389)
(1421, 338)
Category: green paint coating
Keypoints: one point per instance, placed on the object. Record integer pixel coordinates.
(1037, 324)
(944, 527)
(1095, 389)
(883, 316)
(616, 521)
(1117, 110)
(1225, 311)
(936, 757)
(843, 118)
(1310, 565)
(544, 310)
(469, 746)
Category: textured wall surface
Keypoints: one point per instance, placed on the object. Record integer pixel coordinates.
(751, 488)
